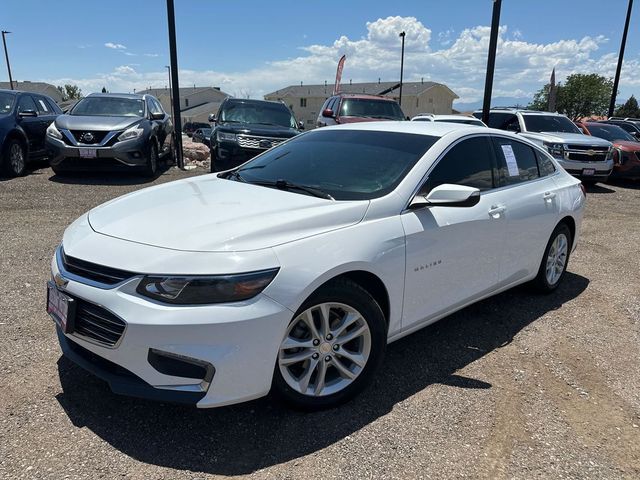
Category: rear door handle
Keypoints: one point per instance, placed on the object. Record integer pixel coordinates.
(496, 210)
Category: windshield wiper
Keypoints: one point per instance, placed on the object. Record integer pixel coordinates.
(285, 185)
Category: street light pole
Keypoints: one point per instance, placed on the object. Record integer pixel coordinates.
(623, 43)
(402, 34)
(168, 67)
(6, 55)
(491, 60)
(173, 54)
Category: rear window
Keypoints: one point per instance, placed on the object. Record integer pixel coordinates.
(347, 164)
(370, 108)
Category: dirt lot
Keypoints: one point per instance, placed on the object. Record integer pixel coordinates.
(517, 386)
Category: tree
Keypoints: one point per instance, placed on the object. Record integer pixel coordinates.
(582, 95)
(70, 92)
(628, 109)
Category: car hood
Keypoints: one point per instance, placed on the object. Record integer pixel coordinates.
(627, 146)
(208, 214)
(258, 129)
(573, 138)
(82, 122)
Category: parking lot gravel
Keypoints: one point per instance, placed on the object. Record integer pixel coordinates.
(521, 385)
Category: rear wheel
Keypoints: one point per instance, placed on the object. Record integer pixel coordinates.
(331, 349)
(555, 259)
(15, 158)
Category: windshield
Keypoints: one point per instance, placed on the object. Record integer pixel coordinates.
(6, 103)
(610, 132)
(109, 107)
(260, 113)
(465, 121)
(371, 108)
(549, 123)
(346, 164)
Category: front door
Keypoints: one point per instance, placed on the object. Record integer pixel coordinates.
(32, 125)
(453, 254)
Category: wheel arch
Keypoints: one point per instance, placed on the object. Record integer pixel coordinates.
(18, 135)
(570, 222)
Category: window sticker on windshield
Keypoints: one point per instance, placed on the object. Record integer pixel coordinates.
(510, 157)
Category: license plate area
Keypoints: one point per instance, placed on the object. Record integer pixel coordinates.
(88, 153)
(588, 172)
(61, 307)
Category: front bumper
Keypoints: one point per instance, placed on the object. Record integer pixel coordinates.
(602, 170)
(239, 340)
(127, 154)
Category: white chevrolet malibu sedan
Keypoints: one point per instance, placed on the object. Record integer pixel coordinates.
(294, 271)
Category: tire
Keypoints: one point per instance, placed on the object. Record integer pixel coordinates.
(151, 168)
(14, 158)
(58, 170)
(364, 337)
(214, 161)
(549, 277)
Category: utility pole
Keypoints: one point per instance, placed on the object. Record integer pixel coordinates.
(6, 55)
(402, 34)
(491, 60)
(168, 67)
(623, 43)
(173, 54)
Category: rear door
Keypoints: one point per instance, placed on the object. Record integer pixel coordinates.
(528, 191)
(453, 254)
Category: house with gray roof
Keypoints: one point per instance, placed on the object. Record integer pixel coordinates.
(196, 103)
(417, 97)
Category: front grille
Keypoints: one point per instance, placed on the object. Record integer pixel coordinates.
(587, 153)
(89, 137)
(97, 324)
(92, 271)
(260, 143)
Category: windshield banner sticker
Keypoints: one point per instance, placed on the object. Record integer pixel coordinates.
(510, 157)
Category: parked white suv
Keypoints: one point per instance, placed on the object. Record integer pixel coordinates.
(583, 156)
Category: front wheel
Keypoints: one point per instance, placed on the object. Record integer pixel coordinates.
(15, 158)
(555, 259)
(151, 168)
(331, 349)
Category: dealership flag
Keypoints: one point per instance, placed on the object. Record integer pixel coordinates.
(553, 91)
(336, 88)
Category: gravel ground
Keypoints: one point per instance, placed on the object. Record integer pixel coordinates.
(517, 386)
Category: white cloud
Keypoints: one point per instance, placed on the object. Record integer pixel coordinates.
(115, 46)
(151, 55)
(522, 67)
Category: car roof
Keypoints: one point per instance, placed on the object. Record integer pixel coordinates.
(252, 101)
(435, 129)
(520, 110)
(364, 96)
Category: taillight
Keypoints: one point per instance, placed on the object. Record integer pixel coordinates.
(584, 190)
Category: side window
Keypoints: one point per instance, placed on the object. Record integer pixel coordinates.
(53, 106)
(153, 106)
(42, 105)
(516, 161)
(325, 105)
(333, 105)
(504, 121)
(469, 163)
(26, 103)
(545, 165)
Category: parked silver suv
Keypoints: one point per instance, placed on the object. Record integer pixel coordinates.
(583, 156)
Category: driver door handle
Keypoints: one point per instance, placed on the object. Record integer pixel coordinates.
(496, 210)
(549, 196)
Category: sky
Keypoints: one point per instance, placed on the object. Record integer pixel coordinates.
(256, 47)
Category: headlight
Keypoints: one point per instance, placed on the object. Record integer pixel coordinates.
(228, 137)
(130, 133)
(610, 153)
(52, 131)
(200, 289)
(555, 149)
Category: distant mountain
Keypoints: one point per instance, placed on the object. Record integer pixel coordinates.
(495, 102)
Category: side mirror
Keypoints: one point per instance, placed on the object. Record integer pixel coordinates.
(447, 195)
(28, 113)
(212, 118)
(157, 116)
(327, 113)
(300, 125)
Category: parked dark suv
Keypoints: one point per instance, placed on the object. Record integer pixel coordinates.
(108, 131)
(244, 128)
(24, 118)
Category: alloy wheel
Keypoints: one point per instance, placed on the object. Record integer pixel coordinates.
(16, 158)
(324, 349)
(557, 259)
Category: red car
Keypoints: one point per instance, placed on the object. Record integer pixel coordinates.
(353, 107)
(626, 153)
